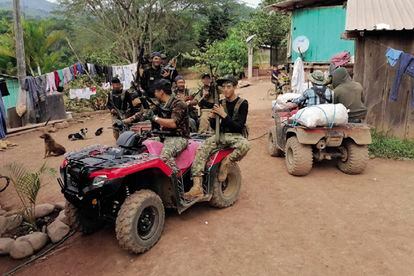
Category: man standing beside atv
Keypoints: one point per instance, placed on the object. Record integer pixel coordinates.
(119, 103)
(232, 114)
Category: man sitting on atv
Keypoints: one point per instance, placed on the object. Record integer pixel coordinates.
(319, 93)
(233, 116)
(175, 121)
(349, 93)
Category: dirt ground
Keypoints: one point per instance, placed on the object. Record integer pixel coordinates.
(327, 223)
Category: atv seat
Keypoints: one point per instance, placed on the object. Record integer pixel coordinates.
(185, 158)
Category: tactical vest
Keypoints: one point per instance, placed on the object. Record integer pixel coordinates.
(245, 130)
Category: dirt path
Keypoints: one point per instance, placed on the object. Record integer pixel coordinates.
(326, 223)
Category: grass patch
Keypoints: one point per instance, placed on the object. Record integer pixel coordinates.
(390, 147)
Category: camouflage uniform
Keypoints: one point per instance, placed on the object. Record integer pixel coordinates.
(232, 140)
(205, 104)
(174, 145)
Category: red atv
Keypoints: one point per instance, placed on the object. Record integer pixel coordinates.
(131, 186)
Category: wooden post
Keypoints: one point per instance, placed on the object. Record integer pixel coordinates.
(18, 30)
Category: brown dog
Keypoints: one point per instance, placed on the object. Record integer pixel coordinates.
(51, 147)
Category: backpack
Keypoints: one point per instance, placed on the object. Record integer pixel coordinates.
(320, 92)
(245, 131)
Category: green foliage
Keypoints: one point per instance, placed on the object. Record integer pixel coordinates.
(228, 56)
(27, 185)
(389, 147)
(96, 102)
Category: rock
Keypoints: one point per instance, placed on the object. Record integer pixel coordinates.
(57, 230)
(60, 205)
(5, 244)
(3, 224)
(43, 210)
(81, 121)
(62, 217)
(14, 221)
(20, 249)
(52, 130)
(62, 125)
(36, 239)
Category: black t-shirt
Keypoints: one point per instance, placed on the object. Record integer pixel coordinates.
(116, 100)
(231, 124)
(149, 76)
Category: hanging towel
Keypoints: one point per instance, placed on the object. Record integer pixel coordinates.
(298, 77)
(393, 56)
(129, 74)
(75, 71)
(51, 82)
(57, 78)
(91, 69)
(67, 75)
(61, 77)
(79, 68)
(406, 67)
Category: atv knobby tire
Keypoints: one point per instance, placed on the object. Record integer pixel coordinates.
(132, 217)
(78, 221)
(226, 193)
(272, 147)
(71, 214)
(356, 160)
(298, 157)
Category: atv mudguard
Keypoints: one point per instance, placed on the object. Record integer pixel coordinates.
(360, 134)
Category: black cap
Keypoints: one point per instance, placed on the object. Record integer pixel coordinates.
(205, 75)
(115, 80)
(155, 54)
(163, 84)
(227, 79)
(179, 77)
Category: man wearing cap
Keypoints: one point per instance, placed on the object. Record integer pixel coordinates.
(232, 113)
(184, 94)
(319, 93)
(205, 100)
(152, 74)
(119, 103)
(175, 122)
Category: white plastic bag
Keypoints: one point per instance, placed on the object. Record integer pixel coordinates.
(281, 101)
(323, 115)
(21, 106)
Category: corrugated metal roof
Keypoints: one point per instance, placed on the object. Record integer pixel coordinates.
(373, 15)
(299, 4)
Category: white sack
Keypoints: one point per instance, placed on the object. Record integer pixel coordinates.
(322, 115)
(280, 103)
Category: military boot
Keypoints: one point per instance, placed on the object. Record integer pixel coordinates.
(224, 169)
(197, 189)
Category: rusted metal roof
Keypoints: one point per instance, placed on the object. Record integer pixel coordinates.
(290, 5)
(371, 15)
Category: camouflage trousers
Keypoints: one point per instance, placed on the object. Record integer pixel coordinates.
(204, 121)
(173, 146)
(232, 140)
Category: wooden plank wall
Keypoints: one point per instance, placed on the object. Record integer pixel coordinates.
(377, 77)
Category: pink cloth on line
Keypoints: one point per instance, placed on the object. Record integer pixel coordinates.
(341, 59)
(51, 84)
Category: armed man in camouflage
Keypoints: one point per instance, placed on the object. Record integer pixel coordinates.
(175, 121)
(232, 113)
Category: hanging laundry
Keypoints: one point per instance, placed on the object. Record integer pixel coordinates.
(57, 78)
(67, 75)
(79, 68)
(99, 70)
(298, 77)
(81, 93)
(3, 88)
(393, 56)
(91, 69)
(129, 74)
(61, 77)
(75, 71)
(51, 82)
(3, 127)
(107, 70)
(406, 67)
(341, 59)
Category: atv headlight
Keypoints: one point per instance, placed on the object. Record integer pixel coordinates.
(99, 181)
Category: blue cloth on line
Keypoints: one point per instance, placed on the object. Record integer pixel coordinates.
(393, 56)
(406, 67)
